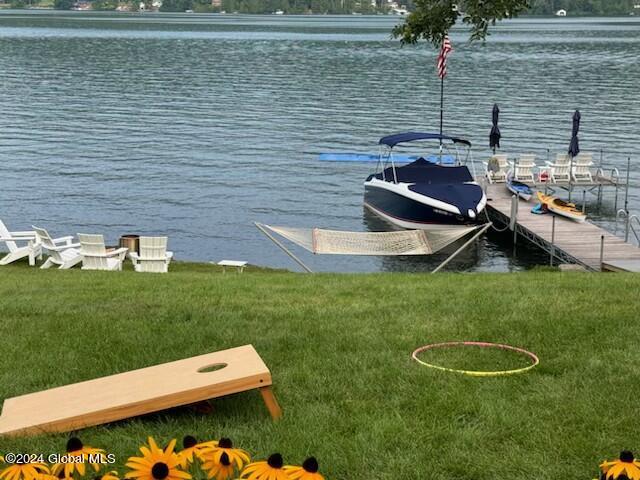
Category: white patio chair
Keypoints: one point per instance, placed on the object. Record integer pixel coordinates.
(581, 168)
(499, 175)
(560, 170)
(153, 255)
(29, 245)
(523, 168)
(62, 251)
(95, 255)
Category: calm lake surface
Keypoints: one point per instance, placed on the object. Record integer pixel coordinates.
(194, 126)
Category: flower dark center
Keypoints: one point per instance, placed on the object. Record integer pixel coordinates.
(225, 443)
(160, 471)
(224, 459)
(189, 441)
(310, 465)
(626, 456)
(275, 461)
(97, 477)
(74, 444)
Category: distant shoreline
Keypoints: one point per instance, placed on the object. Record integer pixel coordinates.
(7, 6)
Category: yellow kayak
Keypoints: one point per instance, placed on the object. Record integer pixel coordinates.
(560, 207)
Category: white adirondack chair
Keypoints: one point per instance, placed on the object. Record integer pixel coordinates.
(523, 168)
(500, 175)
(62, 251)
(581, 167)
(153, 255)
(29, 245)
(560, 170)
(95, 255)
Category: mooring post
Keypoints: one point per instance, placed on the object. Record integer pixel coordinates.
(584, 201)
(553, 240)
(601, 251)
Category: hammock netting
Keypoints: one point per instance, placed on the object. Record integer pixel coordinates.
(406, 242)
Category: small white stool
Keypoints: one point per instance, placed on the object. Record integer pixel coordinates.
(232, 263)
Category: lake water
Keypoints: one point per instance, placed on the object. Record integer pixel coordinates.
(194, 126)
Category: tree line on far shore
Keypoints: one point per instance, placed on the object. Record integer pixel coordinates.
(538, 7)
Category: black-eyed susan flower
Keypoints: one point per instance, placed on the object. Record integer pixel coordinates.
(156, 464)
(236, 456)
(222, 470)
(24, 471)
(192, 449)
(77, 457)
(112, 475)
(308, 470)
(269, 470)
(626, 467)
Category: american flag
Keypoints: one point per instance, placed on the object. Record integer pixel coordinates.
(442, 58)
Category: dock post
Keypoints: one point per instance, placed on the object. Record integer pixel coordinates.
(584, 201)
(600, 181)
(627, 225)
(513, 223)
(626, 188)
(570, 178)
(601, 251)
(553, 240)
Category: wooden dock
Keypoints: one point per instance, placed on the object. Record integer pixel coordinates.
(577, 243)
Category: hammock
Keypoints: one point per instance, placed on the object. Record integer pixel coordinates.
(406, 242)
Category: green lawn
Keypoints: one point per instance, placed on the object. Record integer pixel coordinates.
(339, 347)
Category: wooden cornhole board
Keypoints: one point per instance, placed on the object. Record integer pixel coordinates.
(138, 392)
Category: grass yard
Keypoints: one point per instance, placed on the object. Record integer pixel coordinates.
(339, 348)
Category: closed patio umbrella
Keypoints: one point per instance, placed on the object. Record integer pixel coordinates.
(574, 146)
(494, 136)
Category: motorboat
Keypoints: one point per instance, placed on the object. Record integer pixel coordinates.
(438, 191)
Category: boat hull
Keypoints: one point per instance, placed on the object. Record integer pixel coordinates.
(406, 212)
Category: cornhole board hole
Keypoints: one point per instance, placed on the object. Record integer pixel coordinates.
(138, 392)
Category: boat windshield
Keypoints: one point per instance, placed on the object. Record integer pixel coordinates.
(448, 152)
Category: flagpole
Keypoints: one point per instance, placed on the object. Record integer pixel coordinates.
(441, 109)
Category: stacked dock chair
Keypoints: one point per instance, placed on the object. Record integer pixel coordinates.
(496, 168)
(560, 170)
(20, 245)
(95, 255)
(153, 256)
(62, 251)
(581, 168)
(523, 168)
